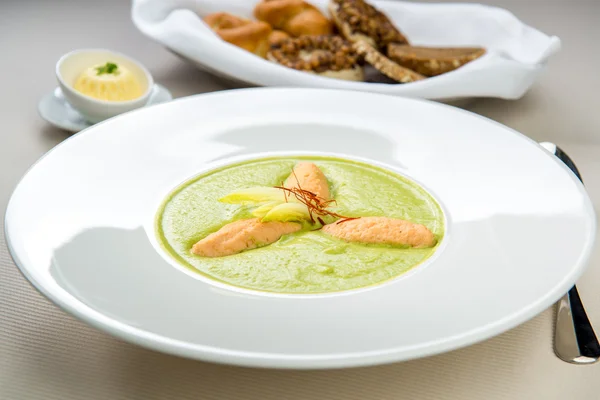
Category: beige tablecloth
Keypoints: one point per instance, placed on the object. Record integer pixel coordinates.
(46, 354)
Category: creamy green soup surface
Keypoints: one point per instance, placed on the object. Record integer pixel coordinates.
(308, 261)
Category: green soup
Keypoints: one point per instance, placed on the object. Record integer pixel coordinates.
(307, 261)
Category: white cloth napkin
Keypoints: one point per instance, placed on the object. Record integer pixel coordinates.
(516, 53)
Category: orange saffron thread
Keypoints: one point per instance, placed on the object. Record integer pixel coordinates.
(317, 206)
(341, 221)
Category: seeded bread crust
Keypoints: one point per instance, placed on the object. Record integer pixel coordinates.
(359, 21)
(385, 65)
(325, 55)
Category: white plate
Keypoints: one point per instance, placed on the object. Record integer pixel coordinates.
(517, 53)
(520, 229)
(55, 109)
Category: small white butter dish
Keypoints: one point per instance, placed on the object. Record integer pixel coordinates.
(73, 64)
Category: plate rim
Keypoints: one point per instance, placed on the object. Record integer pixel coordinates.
(87, 314)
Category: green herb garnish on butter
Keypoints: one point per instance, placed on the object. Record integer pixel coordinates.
(108, 68)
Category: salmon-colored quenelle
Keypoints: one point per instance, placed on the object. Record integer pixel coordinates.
(245, 234)
(300, 225)
(308, 176)
(382, 230)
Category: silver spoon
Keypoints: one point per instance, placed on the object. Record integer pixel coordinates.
(574, 338)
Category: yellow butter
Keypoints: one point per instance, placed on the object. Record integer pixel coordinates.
(117, 85)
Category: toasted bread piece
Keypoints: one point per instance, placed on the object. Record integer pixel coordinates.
(252, 36)
(432, 61)
(385, 65)
(355, 73)
(357, 20)
(277, 36)
(295, 17)
(326, 55)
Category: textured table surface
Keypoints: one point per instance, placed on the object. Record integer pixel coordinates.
(46, 354)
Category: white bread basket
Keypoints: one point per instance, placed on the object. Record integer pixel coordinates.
(516, 53)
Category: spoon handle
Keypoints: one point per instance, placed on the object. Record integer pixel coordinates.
(574, 338)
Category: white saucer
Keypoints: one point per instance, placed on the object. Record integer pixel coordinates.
(55, 109)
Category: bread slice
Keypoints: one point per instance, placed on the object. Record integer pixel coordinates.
(351, 74)
(344, 27)
(356, 73)
(326, 55)
(385, 65)
(357, 20)
(432, 61)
